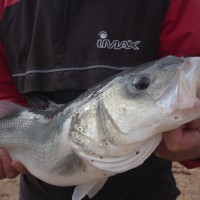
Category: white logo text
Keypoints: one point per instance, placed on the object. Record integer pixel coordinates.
(116, 44)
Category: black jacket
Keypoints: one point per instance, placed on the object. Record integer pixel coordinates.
(74, 43)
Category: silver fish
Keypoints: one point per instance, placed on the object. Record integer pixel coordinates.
(112, 128)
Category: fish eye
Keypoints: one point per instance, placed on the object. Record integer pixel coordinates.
(141, 82)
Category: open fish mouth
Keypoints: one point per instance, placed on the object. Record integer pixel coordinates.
(188, 87)
(184, 90)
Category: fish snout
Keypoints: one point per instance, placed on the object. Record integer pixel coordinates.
(188, 89)
(184, 89)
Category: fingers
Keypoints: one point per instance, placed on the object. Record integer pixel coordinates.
(173, 140)
(9, 168)
(6, 170)
(2, 174)
(169, 146)
(179, 145)
(194, 124)
(19, 167)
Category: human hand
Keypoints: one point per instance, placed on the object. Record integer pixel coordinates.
(181, 144)
(9, 168)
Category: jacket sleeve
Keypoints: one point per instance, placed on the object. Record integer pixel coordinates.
(8, 91)
(180, 36)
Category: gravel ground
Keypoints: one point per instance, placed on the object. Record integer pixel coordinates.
(9, 189)
(188, 182)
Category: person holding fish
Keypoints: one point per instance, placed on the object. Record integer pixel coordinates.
(53, 51)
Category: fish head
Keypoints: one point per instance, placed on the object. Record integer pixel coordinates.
(156, 97)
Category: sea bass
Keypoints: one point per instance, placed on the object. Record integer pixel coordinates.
(112, 128)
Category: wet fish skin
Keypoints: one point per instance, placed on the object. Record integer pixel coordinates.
(112, 128)
(39, 144)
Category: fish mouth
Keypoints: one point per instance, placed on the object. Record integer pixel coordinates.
(189, 83)
(184, 91)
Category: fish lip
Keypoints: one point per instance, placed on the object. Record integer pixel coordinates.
(184, 90)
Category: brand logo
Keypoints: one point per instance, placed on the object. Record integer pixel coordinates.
(103, 42)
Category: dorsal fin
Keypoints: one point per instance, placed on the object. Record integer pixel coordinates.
(8, 108)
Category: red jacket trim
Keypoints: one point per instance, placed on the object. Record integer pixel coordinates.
(191, 163)
(181, 31)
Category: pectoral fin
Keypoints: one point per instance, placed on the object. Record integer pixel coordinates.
(90, 189)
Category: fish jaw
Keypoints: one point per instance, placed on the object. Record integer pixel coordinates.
(180, 103)
(184, 91)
